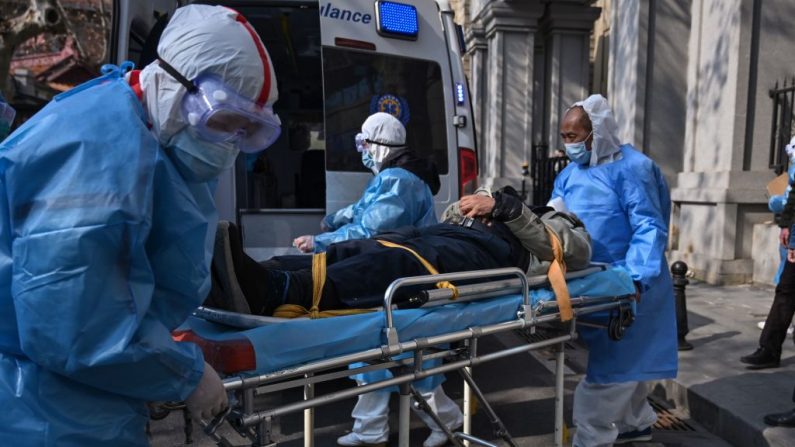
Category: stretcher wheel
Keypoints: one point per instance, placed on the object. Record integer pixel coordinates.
(618, 324)
(614, 329)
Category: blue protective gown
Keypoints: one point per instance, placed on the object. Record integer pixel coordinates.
(626, 207)
(104, 249)
(394, 198)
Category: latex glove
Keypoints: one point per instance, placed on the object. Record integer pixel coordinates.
(209, 398)
(304, 243)
(783, 237)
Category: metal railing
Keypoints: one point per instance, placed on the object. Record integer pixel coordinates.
(543, 170)
(782, 123)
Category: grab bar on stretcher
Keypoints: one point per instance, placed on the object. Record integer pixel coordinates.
(391, 332)
(497, 288)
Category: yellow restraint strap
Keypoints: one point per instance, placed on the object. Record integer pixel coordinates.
(318, 281)
(431, 269)
(555, 274)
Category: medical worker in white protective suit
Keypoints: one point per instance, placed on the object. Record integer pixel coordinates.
(400, 194)
(108, 225)
(623, 199)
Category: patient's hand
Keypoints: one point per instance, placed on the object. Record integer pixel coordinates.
(476, 205)
(304, 243)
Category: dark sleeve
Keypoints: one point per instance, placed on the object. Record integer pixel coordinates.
(507, 205)
(785, 219)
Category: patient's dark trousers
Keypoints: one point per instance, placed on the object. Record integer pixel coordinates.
(359, 271)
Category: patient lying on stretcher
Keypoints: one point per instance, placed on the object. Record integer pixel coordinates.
(482, 231)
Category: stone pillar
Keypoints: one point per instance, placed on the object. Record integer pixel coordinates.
(509, 28)
(719, 200)
(647, 79)
(629, 36)
(477, 53)
(567, 32)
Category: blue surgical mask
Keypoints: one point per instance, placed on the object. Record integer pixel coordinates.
(368, 162)
(578, 152)
(197, 160)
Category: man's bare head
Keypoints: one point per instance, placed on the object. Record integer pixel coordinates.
(576, 127)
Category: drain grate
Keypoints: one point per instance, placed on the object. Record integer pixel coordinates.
(666, 420)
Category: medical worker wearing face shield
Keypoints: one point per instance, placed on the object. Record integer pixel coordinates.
(400, 194)
(107, 204)
(622, 197)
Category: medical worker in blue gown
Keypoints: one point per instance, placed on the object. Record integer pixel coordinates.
(623, 199)
(400, 194)
(108, 224)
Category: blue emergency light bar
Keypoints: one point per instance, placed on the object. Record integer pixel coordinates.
(396, 20)
(459, 94)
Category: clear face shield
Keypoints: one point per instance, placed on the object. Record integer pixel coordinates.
(219, 114)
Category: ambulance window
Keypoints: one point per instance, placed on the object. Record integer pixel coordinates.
(291, 172)
(357, 84)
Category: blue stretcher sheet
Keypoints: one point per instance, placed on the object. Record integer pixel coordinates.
(301, 341)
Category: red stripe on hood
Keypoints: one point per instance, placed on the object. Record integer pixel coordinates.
(135, 84)
(266, 85)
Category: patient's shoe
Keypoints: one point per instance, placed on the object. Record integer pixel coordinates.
(224, 266)
(353, 440)
(761, 358)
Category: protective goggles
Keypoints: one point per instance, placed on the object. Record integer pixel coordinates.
(363, 140)
(221, 115)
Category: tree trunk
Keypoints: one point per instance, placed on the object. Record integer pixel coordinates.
(41, 16)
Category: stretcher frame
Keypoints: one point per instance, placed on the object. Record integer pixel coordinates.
(255, 425)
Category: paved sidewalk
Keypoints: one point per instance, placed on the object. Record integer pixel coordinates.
(716, 389)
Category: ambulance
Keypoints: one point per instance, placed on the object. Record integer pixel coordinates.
(336, 62)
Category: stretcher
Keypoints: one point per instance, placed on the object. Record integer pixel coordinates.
(260, 355)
